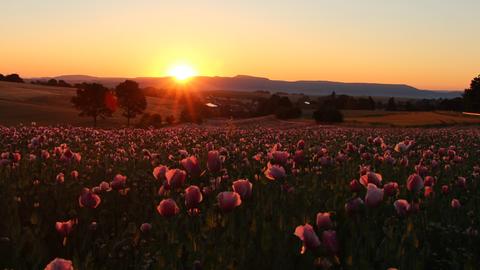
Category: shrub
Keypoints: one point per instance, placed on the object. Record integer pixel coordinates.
(327, 114)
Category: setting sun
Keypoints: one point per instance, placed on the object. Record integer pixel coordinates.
(182, 72)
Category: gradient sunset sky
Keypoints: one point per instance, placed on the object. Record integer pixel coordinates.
(429, 44)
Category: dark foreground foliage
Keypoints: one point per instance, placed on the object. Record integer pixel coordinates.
(403, 198)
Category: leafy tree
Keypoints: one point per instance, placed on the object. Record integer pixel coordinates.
(391, 105)
(281, 106)
(131, 99)
(409, 106)
(455, 104)
(471, 96)
(94, 100)
(333, 96)
(371, 103)
(2, 77)
(13, 78)
(52, 82)
(328, 114)
(285, 102)
(63, 83)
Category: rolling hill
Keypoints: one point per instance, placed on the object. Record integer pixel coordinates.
(249, 83)
(47, 105)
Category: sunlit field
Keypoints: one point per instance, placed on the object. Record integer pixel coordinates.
(410, 119)
(45, 105)
(240, 198)
(26, 103)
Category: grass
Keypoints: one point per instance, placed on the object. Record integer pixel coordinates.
(412, 119)
(26, 103)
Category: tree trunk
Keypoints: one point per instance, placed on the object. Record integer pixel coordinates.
(95, 121)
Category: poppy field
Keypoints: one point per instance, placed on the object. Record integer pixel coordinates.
(239, 198)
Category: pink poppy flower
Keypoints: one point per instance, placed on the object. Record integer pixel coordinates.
(64, 227)
(355, 186)
(280, 157)
(462, 182)
(159, 172)
(175, 178)
(324, 221)
(119, 182)
(371, 178)
(191, 165)
(429, 181)
(374, 196)
(391, 189)
(59, 264)
(145, 227)
(308, 236)
(428, 192)
(168, 208)
(214, 162)
(105, 186)
(299, 157)
(227, 200)
(16, 157)
(402, 147)
(455, 204)
(301, 144)
(414, 183)
(402, 207)
(89, 199)
(60, 178)
(193, 197)
(74, 174)
(243, 187)
(45, 155)
(274, 172)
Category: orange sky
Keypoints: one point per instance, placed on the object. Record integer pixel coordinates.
(429, 45)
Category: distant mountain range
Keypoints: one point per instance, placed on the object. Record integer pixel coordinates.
(250, 84)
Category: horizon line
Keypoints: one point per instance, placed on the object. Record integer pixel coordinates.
(245, 75)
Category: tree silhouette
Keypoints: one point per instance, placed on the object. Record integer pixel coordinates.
(94, 100)
(131, 99)
(391, 105)
(13, 78)
(52, 82)
(281, 106)
(371, 103)
(2, 77)
(327, 114)
(63, 83)
(471, 96)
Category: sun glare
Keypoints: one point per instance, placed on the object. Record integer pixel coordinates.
(182, 72)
